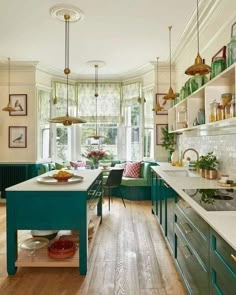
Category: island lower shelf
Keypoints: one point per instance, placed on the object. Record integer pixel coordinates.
(41, 259)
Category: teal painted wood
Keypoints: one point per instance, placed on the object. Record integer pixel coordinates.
(133, 193)
(154, 193)
(199, 241)
(11, 174)
(43, 210)
(194, 275)
(222, 265)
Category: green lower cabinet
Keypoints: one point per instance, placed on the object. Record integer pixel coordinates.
(193, 272)
(222, 266)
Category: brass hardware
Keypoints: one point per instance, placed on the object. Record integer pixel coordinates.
(186, 227)
(187, 253)
(170, 95)
(66, 120)
(9, 107)
(199, 67)
(191, 149)
(234, 257)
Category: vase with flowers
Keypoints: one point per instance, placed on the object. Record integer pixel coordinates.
(95, 156)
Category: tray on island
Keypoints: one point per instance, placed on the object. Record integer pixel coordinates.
(51, 180)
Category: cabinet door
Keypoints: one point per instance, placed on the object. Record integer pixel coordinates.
(195, 276)
(170, 200)
(154, 193)
(222, 266)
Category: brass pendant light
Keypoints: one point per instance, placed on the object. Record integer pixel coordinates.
(170, 95)
(67, 120)
(9, 107)
(96, 64)
(199, 67)
(157, 108)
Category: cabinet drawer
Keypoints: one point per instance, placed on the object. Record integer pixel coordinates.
(194, 274)
(199, 242)
(223, 266)
(200, 224)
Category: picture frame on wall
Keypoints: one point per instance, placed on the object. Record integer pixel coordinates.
(19, 103)
(164, 104)
(159, 135)
(17, 137)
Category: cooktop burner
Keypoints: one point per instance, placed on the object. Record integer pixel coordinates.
(214, 199)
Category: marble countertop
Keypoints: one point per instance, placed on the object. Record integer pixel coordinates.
(223, 222)
(32, 184)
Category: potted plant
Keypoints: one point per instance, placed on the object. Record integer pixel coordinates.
(168, 141)
(208, 165)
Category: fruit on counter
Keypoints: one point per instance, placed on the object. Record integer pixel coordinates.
(63, 174)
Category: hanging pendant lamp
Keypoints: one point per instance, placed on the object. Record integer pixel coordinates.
(96, 64)
(157, 108)
(67, 120)
(199, 67)
(170, 95)
(9, 107)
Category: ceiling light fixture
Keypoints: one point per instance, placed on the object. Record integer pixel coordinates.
(199, 67)
(96, 64)
(66, 120)
(9, 107)
(170, 95)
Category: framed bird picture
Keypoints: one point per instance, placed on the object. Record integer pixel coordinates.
(19, 103)
(17, 137)
(162, 104)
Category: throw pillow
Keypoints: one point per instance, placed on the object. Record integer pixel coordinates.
(76, 164)
(132, 170)
(122, 166)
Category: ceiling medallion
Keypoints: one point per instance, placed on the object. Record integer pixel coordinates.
(60, 10)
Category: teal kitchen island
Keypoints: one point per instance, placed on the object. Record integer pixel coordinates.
(42, 206)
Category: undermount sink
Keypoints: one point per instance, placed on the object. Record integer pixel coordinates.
(183, 173)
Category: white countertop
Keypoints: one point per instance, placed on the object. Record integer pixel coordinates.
(223, 222)
(33, 185)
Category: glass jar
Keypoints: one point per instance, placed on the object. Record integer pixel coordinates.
(217, 66)
(220, 113)
(226, 98)
(196, 82)
(231, 47)
(213, 111)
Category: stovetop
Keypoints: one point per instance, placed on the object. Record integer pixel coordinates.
(214, 199)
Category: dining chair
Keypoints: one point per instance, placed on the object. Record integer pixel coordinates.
(113, 181)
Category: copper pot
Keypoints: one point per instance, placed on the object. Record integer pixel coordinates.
(211, 174)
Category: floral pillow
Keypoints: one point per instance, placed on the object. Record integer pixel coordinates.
(77, 164)
(132, 170)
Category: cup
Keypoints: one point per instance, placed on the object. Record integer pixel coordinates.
(224, 178)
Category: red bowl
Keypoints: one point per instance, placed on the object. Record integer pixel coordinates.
(61, 249)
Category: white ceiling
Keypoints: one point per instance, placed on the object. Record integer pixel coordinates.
(126, 34)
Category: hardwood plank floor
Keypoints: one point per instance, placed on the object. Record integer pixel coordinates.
(129, 257)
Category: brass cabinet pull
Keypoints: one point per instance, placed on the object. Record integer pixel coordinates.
(187, 253)
(234, 257)
(186, 227)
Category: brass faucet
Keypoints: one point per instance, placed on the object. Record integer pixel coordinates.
(191, 149)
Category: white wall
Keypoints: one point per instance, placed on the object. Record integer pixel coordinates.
(216, 18)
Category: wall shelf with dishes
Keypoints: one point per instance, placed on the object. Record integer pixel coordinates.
(211, 106)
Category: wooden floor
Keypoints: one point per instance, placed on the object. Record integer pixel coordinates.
(129, 257)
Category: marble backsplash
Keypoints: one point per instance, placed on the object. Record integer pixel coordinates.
(223, 146)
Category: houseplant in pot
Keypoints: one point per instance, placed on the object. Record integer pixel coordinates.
(208, 165)
(168, 141)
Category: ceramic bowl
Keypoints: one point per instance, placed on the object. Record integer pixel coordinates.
(62, 178)
(61, 249)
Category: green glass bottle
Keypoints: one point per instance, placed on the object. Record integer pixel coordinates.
(231, 47)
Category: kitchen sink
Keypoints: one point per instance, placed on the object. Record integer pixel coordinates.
(183, 173)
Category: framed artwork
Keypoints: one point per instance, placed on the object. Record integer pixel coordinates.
(18, 102)
(164, 105)
(159, 135)
(17, 137)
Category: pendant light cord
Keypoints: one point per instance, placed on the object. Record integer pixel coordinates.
(197, 28)
(67, 67)
(96, 97)
(9, 75)
(170, 27)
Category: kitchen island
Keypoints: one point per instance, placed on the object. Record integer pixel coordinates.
(64, 206)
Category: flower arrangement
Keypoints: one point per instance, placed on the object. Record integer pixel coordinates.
(96, 156)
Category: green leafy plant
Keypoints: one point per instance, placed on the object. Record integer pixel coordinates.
(169, 139)
(207, 196)
(208, 162)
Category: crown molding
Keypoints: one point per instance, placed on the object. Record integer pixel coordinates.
(189, 35)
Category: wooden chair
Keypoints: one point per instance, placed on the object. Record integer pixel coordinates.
(113, 181)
